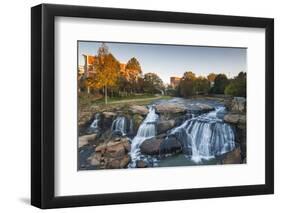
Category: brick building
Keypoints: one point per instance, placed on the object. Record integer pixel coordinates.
(174, 81)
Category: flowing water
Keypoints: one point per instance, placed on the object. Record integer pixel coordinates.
(146, 130)
(205, 136)
(95, 124)
(119, 125)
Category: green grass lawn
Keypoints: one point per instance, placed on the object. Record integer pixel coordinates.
(86, 100)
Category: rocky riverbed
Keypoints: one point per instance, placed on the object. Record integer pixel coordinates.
(175, 132)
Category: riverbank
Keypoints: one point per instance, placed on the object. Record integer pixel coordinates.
(88, 105)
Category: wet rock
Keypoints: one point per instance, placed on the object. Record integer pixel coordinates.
(113, 154)
(141, 164)
(238, 104)
(106, 123)
(204, 107)
(170, 146)
(170, 108)
(136, 122)
(235, 118)
(86, 139)
(96, 159)
(109, 114)
(233, 157)
(105, 136)
(151, 146)
(241, 135)
(136, 109)
(181, 119)
(124, 161)
(165, 125)
(239, 122)
(199, 108)
(117, 163)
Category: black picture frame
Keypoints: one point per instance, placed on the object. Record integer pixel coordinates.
(43, 102)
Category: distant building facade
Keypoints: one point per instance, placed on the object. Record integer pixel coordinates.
(175, 81)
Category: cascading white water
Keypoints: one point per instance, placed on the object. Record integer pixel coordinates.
(205, 136)
(146, 130)
(94, 124)
(119, 125)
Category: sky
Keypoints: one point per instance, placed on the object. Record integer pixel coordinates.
(174, 60)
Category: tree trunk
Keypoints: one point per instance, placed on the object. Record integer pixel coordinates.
(105, 94)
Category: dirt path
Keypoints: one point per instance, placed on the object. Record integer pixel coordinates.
(135, 100)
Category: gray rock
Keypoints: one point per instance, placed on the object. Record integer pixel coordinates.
(151, 146)
(172, 108)
(136, 109)
(136, 120)
(165, 125)
(109, 114)
(235, 118)
(238, 104)
(141, 164)
(113, 154)
(233, 157)
(86, 139)
(170, 146)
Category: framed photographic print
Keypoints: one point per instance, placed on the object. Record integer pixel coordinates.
(140, 106)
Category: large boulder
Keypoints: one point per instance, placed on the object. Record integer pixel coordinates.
(204, 107)
(106, 121)
(239, 121)
(112, 155)
(170, 108)
(164, 125)
(141, 164)
(169, 111)
(118, 163)
(86, 139)
(109, 114)
(170, 146)
(238, 104)
(151, 146)
(235, 118)
(136, 109)
(241, 136)
(199, 108)
(233, 157)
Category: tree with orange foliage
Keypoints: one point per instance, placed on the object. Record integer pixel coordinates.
(211, 77)
(107, 70)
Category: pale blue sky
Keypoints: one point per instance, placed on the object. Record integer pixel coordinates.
(174, 60)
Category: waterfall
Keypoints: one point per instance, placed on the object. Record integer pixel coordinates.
(119, 125)
(205, 136)
(95, 124)
(146, 130)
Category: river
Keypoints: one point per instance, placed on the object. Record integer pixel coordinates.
(204, 137)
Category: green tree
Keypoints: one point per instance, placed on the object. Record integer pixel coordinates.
(133, 64)
(186, 87)
(107, 70)
(201, 85)
(134, 71)
(237, 86)
(189, 75)
(152, 83)
(220, 84)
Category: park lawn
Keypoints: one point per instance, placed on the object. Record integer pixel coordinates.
(88, 100)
